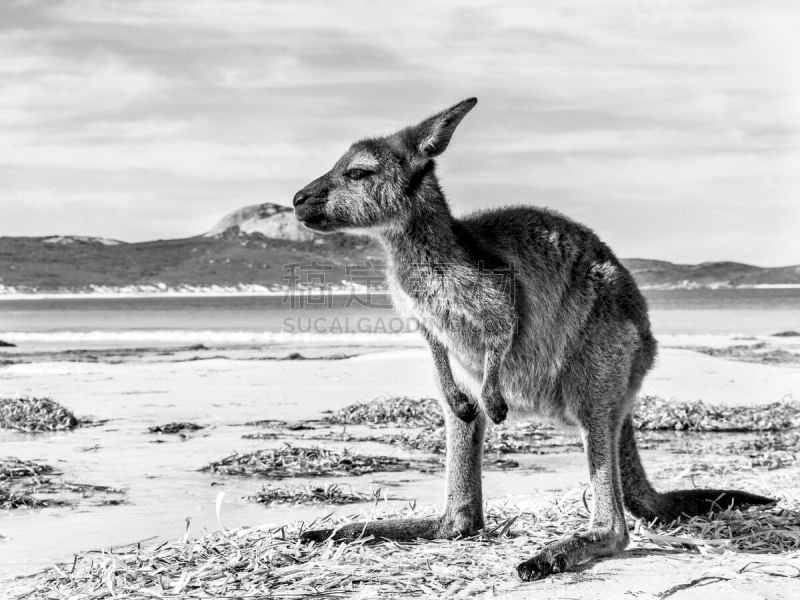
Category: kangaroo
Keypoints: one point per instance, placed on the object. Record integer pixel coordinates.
(565, 337)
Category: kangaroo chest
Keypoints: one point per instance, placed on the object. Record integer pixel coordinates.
(437, 308)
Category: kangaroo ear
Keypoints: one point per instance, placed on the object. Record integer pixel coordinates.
(431, 137)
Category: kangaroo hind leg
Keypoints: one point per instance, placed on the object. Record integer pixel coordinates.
(607, 533)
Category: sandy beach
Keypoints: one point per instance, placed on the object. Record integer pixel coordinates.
(222, 389)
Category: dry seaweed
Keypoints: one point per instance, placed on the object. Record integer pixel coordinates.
(177, 427)
(282, 425)
(16, 468)
(295, 461)
(753, 530)
(36, 415)
(28, 484)
(525, 439)
(652, 413)
(401, 411)
(758, 353)
(18, 478)
(768, 442)
(12, 498)
(270, 562)
(656, 413)
(775, 450)
(261, 435)
(333, 493)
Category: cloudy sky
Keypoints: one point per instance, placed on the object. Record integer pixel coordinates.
(670, 127)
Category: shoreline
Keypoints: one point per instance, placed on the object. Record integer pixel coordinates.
(259, 291)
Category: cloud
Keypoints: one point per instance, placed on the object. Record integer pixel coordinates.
(651, 121)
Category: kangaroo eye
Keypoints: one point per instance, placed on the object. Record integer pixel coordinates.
(357, 173)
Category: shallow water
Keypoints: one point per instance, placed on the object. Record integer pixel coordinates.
(273, 320)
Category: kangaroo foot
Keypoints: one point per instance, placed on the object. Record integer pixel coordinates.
(401, 530)
(495, 406)
(562, 555)
(462, 406)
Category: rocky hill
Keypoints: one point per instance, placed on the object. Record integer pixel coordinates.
(268, 220)
(253, 249)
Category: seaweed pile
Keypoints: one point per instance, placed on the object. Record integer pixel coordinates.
(400, 411)
(757, 353)
(19, 479)
(295, 461)
(333, 493)
(654, 413)
(173, 428)
(36, 415)
(29, 484)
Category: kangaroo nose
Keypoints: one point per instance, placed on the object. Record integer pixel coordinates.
(300, 197)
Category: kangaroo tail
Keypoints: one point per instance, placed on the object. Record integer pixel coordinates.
(643, 501)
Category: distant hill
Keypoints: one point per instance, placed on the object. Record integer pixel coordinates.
(659, 273)
(250, 249)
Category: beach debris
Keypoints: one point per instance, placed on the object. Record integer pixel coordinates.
(280, 424)
(504, 464)
(774, 450)
(261, 435)
(296, 461)
(31, 415)
(754, 530)
(768, 442)
(176, 427)
(332, 493)
(757, 353)
(16, 468)
(651, 413)
(524, 438)
(399, 411)
(30, 484)
(656, 413)
(4, 344)
(269, 561)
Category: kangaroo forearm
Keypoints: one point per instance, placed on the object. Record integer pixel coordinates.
(461, 404)
(491, 367)
(491, 396)
(496, 350)
(441, 362)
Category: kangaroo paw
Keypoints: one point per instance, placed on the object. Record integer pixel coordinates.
(540, 566)
(463, 407)
(562, 555)
(316, 535)
(495, 407)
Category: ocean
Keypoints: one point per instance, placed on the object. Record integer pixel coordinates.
(265, 320)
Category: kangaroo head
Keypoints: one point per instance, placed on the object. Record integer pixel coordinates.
(379, 182)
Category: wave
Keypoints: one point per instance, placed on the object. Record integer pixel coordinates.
(208, 337)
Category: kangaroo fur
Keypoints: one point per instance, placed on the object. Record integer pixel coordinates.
(525, 311)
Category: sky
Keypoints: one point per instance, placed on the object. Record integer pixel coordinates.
(672, 128)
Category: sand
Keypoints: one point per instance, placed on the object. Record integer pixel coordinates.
(164, 486)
